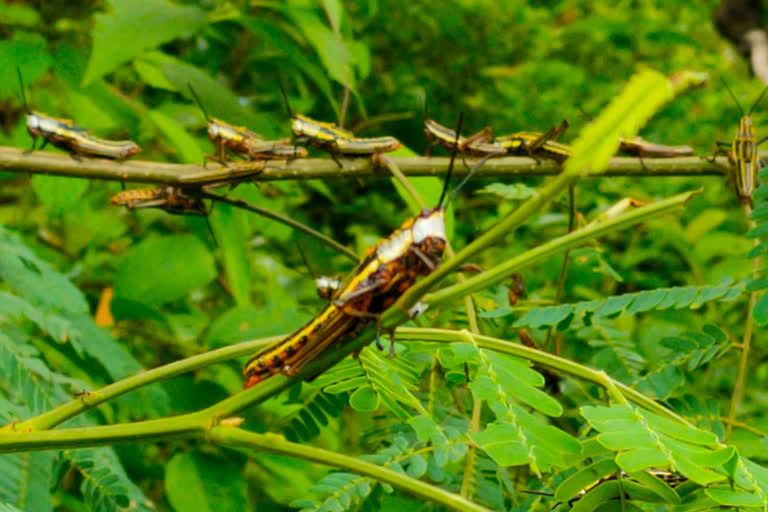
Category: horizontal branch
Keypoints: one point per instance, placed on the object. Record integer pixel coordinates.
(60, 164)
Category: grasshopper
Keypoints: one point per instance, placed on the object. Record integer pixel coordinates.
(167, 197)
(389, 268)
(65, 134)
(535, 144)
(335, 140)
(742, 152)
(244, 142)
(638, 146)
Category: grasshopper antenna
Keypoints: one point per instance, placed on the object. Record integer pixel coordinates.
(734, 96)
(306, 261)
(199, 103)
(23, 94)
(448, 175)
(758, 100)
(284, 96)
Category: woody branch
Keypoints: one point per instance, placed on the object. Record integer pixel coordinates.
(60, 164)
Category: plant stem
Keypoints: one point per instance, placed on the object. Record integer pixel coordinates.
(273, 443)
(746, 342)
(239, 203)
(564, 266)
(89, 400)
(137, 171)
(500, 272)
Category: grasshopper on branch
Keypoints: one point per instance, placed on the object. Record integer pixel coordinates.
(244, 142)
(333, 139)
(66, 135)
(388, 270)
(742, 152)
(535, 144)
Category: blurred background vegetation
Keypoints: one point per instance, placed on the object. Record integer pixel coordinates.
(165, 290)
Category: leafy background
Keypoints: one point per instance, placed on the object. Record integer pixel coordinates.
(659, 307)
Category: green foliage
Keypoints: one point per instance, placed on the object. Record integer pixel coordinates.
(660, 309)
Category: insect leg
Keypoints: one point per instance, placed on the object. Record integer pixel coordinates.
(45, 143)
(357, 293)
(423, 257)
(761, 140)
(34, 143)
(336, 159)
(719, 145)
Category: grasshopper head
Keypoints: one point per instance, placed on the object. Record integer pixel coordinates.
(429, 233)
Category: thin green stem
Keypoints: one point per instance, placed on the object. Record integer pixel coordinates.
(91, 399)
(566, 258)
(746, 342)
(178, 427)
(239, 203)
(502, 271)
(274, 443)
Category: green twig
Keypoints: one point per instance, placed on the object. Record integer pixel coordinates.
(746, 342)
(298, 226)
(91, 399)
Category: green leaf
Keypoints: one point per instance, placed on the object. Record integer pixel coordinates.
(153, 75)
(202, 482)
(219, 101)
(34, 279)
(57, 192)
(27, 50)
(159, 270)
(571, 486)
(502, 443)
(19, 14)
(511, 191)
(132, 27)
(760, 313)
(365, 399)
(730, 498)
(329, 46)
(645, 93)
(186, 145)
(230, 225)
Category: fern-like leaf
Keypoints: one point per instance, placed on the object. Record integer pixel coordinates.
(643, 440)
(516, 437)
(375, 379)
(627, 304)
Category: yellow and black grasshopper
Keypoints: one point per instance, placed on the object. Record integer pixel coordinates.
(244, 142)
(536, 144)
(389, 268)
(65, 134)
(337, 141)
(166, 197)
(476, 144)
(742, 152)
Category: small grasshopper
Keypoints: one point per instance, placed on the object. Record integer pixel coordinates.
(166, 197)
(244, 142)
(476, 144)
(388, 270)
(65, 134)
(535, 144)
(639, 147)
(742, 152)
(335, 140)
